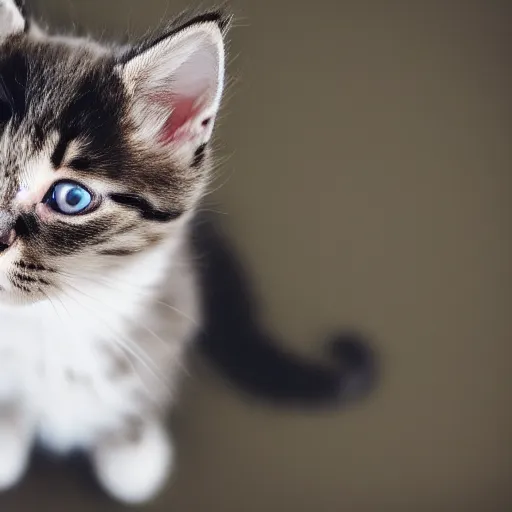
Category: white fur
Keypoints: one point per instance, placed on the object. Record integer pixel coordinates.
(15, 443)
(44, 343)
(134, 473)
(11, 20)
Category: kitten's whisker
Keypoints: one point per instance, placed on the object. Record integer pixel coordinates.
(218, 187)
(136, 290)
(139, 324)
(95, 383)
(91, 309)
(123, 343)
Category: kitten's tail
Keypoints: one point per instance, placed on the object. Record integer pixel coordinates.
(251, 358)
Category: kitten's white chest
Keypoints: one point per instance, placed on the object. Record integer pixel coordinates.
(60, 371)
(87, 363)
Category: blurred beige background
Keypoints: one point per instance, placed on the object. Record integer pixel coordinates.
(368, 181)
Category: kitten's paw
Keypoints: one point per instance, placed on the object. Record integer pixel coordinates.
(134, 468)
(15, 449)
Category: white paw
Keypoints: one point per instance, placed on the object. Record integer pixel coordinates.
(134, 471)
(14, 455)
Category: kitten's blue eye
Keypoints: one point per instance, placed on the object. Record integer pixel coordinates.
(69, 198)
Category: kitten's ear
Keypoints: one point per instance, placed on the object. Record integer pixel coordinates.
(176, 84)
(12, 18)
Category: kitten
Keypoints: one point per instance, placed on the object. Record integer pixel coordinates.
(104, 158)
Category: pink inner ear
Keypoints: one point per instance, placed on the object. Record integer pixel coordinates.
(183, 110)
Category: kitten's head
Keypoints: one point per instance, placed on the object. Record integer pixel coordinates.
(103, 153)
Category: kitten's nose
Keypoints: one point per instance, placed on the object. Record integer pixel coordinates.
(7, 232)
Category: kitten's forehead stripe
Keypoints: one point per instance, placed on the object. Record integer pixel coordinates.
(60, 89)
(59, 152)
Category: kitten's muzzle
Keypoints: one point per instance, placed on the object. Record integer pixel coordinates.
(7, 232)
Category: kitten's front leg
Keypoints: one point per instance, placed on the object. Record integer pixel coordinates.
(132, 465)
(16, 440)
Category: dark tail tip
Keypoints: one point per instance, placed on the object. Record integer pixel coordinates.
(357, 362)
